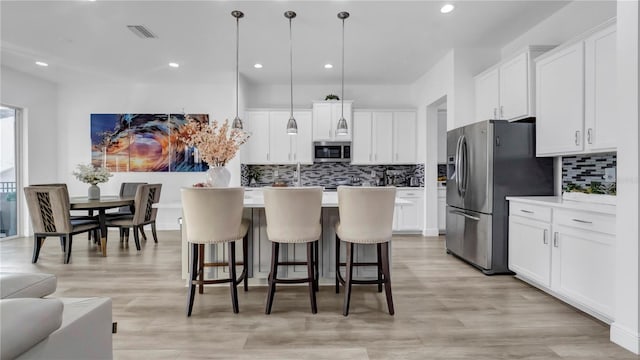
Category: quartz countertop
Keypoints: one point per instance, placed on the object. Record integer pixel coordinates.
(559, 202)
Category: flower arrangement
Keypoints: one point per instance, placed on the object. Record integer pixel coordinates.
(217, 144)
(92, 175)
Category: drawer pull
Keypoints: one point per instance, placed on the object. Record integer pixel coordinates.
(582, 221)
(555, 239)
(544, 237)
(527, 211)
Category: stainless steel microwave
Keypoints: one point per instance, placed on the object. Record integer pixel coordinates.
(331, 151)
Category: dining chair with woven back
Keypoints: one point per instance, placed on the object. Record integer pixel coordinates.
(50, 213)
(144, 213)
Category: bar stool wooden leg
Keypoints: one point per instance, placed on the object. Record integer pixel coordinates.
(193, 276)
(315, 261)
(348, 278)
(201, 268)
(275, 250)
(245, 261)
(378, 252)
(232, 275)
(311, 277)
(387, 276)
(337, 264)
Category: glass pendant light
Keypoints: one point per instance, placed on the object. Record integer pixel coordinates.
(292, 125)
(342, 128)
(237, 123)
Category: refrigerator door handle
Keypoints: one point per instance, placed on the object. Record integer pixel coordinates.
(458, 212)
(457, 165)
(464, 150)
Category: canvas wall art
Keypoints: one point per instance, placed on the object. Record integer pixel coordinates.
(143, 143)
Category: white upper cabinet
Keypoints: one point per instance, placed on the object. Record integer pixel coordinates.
(270, 143)
(487, 95)
(382, 140)
(404, 137)
(576, 96)
(506, 90)
(325, 120)
(256, 149)
(560, 102)
(361, 147)
(384, 137)
(600, 91)
(514, 88)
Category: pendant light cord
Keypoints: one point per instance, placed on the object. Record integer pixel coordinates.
(291, 67)
(342, 105)
(237, 57)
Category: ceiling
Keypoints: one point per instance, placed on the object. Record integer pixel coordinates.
(390, 42)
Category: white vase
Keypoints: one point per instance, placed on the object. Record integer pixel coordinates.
(94, 192)
(218, 176)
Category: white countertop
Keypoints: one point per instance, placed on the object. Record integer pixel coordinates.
(559, 202)
(256, 200)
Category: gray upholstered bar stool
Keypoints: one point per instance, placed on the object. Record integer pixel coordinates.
(293, 216)
(366, 217)
(214, 216)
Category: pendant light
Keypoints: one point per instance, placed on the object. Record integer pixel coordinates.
(292, 125)
(342, 128)
(237, 123)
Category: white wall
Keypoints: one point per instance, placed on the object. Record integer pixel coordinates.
(77, 102)
(39, 100)
(625, 331)
(565, 24)
(363, 96)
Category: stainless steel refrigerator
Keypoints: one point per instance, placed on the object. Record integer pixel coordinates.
(486, 162)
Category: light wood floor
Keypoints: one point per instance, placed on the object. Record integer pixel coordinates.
(444, 310)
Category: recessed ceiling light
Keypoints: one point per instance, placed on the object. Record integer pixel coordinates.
(174, 65)
(42, 63)
(257, 66)
(447, 8)
(328, 66)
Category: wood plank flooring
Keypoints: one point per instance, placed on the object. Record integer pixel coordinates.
(444, 309)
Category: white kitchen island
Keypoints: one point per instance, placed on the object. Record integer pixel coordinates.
(260, 246)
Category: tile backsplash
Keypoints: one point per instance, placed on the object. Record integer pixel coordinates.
(587, 173)
(327, 174)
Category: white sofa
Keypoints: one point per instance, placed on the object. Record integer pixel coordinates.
(33, 326)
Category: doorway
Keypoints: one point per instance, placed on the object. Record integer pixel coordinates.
(9, 172)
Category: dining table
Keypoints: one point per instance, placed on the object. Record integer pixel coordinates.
(101, 205)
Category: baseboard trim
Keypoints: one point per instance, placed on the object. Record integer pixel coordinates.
(625, 337)
(430, 232)
(173, 225)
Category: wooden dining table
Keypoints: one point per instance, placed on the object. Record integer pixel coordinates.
(101, 205)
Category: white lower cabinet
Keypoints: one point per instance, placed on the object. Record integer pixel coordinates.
(442, 210)
(567, 252)
(409, 217)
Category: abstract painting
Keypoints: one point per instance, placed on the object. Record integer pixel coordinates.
(183, 158)
(143, 143)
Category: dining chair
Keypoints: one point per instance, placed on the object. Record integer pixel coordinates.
(214, 216)
(366, 218)
(127, 189)
(293, 217)
(50, 214)
(144, 212)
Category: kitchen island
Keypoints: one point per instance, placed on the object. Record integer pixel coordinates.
(260, 246)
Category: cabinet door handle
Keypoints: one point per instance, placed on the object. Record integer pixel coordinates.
(582, 221)
(369, 157)
(577, 139)
(375, 157)
(267, 156)
(295, 156)
(501, 112)
(589, 139)
(495, 113)
(396, 156)
(544, 237)
(555, 239)
(527, 211)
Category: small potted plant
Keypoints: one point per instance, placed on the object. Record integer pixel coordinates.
(331, 97)
(254, 174)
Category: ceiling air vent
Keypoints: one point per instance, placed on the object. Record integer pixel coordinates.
(141, 32)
